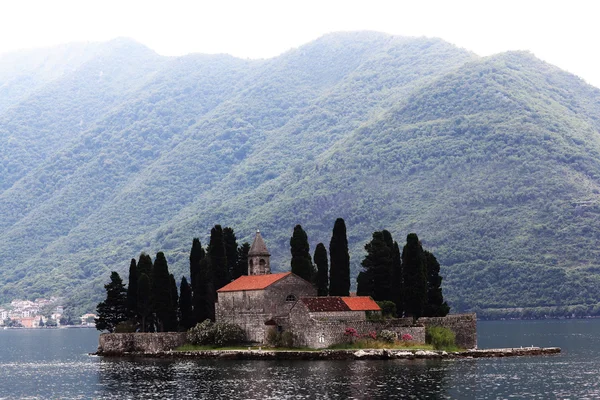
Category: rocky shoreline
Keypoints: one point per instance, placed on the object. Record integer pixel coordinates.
(367, 354)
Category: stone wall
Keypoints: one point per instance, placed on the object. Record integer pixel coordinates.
(250, 309)
(119, 343)
(464, 327)
(339, 315)
(319, 333)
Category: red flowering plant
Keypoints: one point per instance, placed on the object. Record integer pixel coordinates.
(370, 335)
(407, 337)
(351, 332)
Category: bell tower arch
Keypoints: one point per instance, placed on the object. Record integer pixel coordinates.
(259, 262)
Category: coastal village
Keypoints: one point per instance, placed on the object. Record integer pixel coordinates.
(40, 313)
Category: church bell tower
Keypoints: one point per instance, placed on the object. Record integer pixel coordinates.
(258, 257)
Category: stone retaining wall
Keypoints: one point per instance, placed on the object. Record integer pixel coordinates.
(464, 327)
(120, 343)
(375, 354)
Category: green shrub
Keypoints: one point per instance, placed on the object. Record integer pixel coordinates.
(440, 338)
(125, 327)
(388, 308)
(227, 333)
(201, 334)
(219, 334)
(374, 316)
(273, 337)
(287, 339)
(280, 339)
(387, 336)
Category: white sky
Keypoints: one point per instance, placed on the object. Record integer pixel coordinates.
(564, 33)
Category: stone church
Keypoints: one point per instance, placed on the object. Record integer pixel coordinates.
(262, 301)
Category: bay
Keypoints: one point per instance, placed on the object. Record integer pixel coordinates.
(54, 363)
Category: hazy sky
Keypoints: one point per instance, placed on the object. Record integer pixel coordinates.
(564, 33)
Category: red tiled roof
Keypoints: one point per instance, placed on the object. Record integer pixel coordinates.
(335, 303)
(361, 303)
(320, 304)
(253, 282)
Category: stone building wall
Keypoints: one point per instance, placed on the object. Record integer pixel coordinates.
(250, 309)
(119, 343)
(339, 315)
(322, 333)
(277, 293)
(464, 327)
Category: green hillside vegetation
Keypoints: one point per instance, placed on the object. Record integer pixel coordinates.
(493, 161)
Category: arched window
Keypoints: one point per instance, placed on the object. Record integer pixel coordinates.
(290, 297)
(262, 262)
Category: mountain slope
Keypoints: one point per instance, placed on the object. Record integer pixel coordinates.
(494, 162)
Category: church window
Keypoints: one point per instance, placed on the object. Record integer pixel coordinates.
(290, 297)
(262, 262)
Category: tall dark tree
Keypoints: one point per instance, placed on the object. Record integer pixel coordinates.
(197, 254)
(339, 272)
(364, 284)
(113, 309)
(320, 258)
(144, 265)
(241, 265)
(172, 322)
(436, 306)
(161, 293)
(208, 292)
(414, 277)
(301, 260)
(218, 258)
(397, 283)
(132, 289)
(377, 266)
(185, 305)
(231, 248)
(144, 307)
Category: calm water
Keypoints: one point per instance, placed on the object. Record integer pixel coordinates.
(55, 364)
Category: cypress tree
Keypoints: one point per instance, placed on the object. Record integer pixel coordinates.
(436, 306)
(185, 305)
(301, 261)
(231, 249)
(241, 266)
(218, 258)
(144, 265)
(161, 293)
(143, 298)
(322, 270)
(339, 273)
(132, 290)
(113, 309)
(197, 254)
(397, 284)
(364, 284)
(208, 290)
(172, 321)
(377, 266)
(414, 277)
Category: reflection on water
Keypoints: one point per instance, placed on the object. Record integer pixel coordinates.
(214, 379)
(54, 364)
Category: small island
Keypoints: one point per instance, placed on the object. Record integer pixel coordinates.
(302, 314)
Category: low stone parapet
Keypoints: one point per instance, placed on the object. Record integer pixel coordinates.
(121, 343)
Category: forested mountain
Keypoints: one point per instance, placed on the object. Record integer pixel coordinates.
(111, 150)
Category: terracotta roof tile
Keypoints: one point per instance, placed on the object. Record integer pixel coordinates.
(361, 303)
(253, 282)
(323, 304)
